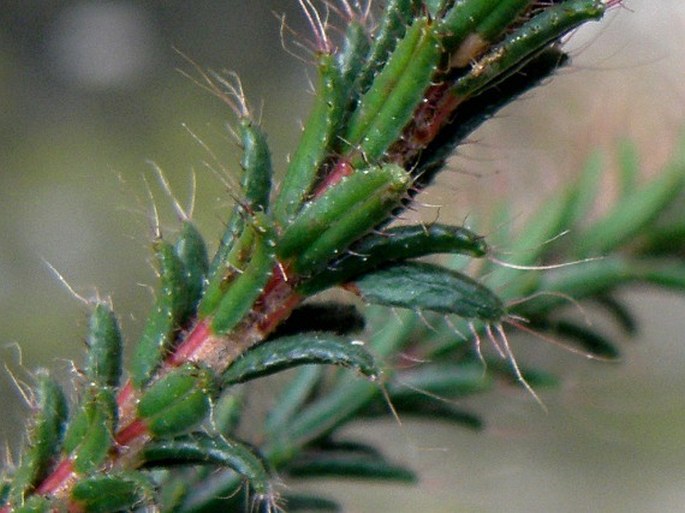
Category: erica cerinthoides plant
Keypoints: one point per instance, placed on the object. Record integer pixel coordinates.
(395, 94)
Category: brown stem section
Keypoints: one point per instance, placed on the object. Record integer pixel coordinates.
(130, 432)
(62, 475)
(429, 118)
(192, 343)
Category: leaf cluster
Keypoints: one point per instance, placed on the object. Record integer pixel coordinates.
(392, 103)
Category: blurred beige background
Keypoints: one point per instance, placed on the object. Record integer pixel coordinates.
(88, 94)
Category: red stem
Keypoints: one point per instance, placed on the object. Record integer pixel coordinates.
(192, 342)
(127, 434)
(61, 474)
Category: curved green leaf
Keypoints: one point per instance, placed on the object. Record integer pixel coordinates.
(287, 352)
(203, 449)
(423, 286)
(317, 137)
(398, 243)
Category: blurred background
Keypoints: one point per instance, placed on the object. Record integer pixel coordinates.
(90, 94)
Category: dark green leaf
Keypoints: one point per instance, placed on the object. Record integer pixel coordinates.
(287, 352)
(242, 292)
(5, 487)
(294, 395)
(520, 44)
(589, 340)
(664, 240)
(44, 437)
(303, 503)
(351, 58)
(349, 466)
(203, 449)
(105, 347)
(89, 436)
(534, 377)
(255, 185)
(444, 379)
(430, 409)
(317, 137)
(620, 312)
(669, 274)
(177, 401)
(399, 243)
(344, 213)
(332, 446)
(391, 29)
(170, 306)
(192, 253)
(423, 286)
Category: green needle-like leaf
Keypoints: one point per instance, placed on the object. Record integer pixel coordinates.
(192, 253)
(105, 347)
(44, 438)
(398, 243)
(351, 467)
(587, 339)
(633, 213)
(423, 286)
(287, 352)
(310, 503)
(166, 317)
(203, 449)
(449, 380)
